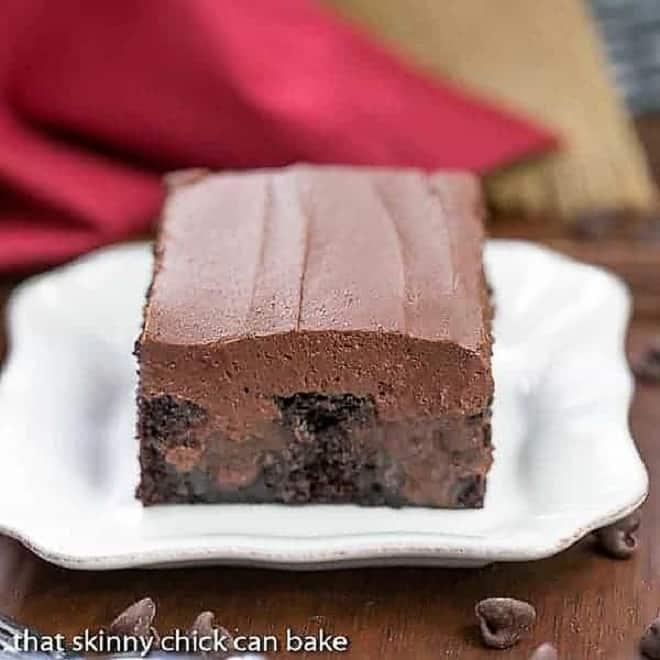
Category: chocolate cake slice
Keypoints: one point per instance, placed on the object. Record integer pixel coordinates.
(317, 334)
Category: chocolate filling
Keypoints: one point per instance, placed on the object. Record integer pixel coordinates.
(327, 458)
(324, 448)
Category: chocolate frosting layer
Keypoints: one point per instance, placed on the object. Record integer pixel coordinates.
(319, 249)
(317, 334)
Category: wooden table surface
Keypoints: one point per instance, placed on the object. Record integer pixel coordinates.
(589, 606)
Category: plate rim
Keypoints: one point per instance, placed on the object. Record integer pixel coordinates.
(420, 548)
(375, 554)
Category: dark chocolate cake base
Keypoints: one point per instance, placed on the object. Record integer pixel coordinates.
(322, 449)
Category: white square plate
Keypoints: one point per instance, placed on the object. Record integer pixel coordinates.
(564, 459)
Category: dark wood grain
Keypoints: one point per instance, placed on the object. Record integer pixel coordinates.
(589, 606)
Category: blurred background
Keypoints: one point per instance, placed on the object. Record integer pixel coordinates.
(551, 103)
(631, 32)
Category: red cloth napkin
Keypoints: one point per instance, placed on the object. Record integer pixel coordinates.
(98, 99)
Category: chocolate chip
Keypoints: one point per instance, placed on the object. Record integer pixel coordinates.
(545, 652)
(618, 540)
(647, 365)
(649, 644)
(205, 626)
(136, 620)
(502, 621)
